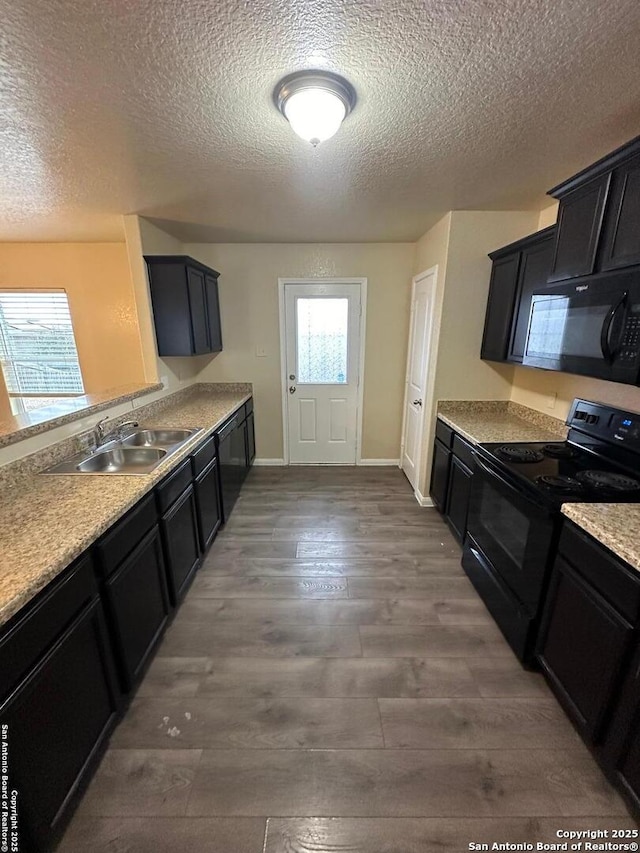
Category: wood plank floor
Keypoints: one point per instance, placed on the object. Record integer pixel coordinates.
(333, 683)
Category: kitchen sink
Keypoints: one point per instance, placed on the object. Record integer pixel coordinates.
(122, 460)
(140, 452)
(157, 437)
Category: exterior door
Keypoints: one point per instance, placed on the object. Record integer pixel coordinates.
(322, 331)
(417, 371)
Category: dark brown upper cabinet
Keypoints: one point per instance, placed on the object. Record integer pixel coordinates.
(598, 216)
(536, 254)
(621, 241)
(500, 304)
(186, 309)
(519, 270)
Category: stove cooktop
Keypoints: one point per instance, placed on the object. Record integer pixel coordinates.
(565, 472)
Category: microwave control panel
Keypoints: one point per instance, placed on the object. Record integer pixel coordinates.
(630, 343)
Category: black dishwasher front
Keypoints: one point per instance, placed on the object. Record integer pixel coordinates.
(231, 467)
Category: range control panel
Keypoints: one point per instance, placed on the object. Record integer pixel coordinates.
(606, 423)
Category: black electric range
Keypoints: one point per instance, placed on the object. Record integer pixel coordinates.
(517, 492)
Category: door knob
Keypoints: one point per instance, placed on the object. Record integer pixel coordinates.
(417, 402)
(292, 389)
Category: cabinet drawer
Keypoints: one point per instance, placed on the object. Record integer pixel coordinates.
(609, 576)
(463, 450)
(444, 433)
(248, 406)
(27, 638)
(125, 535)
(174, 485)
(203, 455)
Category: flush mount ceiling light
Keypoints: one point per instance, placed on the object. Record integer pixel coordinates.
(315, 103)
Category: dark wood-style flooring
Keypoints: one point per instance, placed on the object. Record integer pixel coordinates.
(333, 683)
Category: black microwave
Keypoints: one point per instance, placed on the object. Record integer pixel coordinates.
(589, 326)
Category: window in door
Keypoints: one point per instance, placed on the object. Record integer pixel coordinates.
(322, 338)
(38, 353)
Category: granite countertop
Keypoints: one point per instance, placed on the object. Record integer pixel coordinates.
(488, 421)
(616, 526)
(47, 521)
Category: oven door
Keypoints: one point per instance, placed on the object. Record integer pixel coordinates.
(590, 327)
(514, 534)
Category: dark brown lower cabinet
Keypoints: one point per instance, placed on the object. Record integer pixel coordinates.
(207, 491)
(622, 746)
(440, 475)
(589, 651)
(138, 606)
(181, 546)
(451, 474)
(58, 718)
(251, 440)
(458, 501)
(584, 647)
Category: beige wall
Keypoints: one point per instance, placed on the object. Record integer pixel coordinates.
(548, 216)
(97, 279)
(249, 306)
(145, 238)
(459, 244)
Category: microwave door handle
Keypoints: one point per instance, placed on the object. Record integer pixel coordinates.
(607, 323)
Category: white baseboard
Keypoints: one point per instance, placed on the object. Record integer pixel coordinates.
(260, 463)
(422, 500)
(386, 462)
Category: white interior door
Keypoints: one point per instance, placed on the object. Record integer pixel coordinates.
(417, 372)
(322, 331)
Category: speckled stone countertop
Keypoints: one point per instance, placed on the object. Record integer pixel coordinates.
(616, 526)
(488, 421)
(47, 521)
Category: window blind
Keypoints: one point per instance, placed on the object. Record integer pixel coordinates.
(38, 353)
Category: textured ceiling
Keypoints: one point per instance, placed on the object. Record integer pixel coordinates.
(163, 107)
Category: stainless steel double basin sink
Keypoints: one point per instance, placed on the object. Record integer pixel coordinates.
(137, 453)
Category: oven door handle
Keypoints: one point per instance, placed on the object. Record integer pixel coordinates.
(605, 344)
(490, 472)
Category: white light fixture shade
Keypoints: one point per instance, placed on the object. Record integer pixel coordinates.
(315, 103)
(315, 114)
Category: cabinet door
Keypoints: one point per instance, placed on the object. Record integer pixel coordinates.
(458, 498)
(251, 440)
(207, 490)
(584, 643)
(621, 245)
(440, 475)
(500, 305)
(213, 313)
(240, 452)
(198, 311)
(535, 266)
(181, 545)
(621, 750)
(579, 226)
(138, 606)
(57, 720)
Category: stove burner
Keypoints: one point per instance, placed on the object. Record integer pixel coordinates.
(514, 453)
(608, 481)
(558, 451)
(560, 483)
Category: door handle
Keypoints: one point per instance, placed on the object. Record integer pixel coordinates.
(417, 402)
(605, 344)
(292, 389)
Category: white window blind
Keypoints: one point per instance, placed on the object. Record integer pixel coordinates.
(38, 352)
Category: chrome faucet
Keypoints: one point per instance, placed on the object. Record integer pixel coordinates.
(101, 434)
